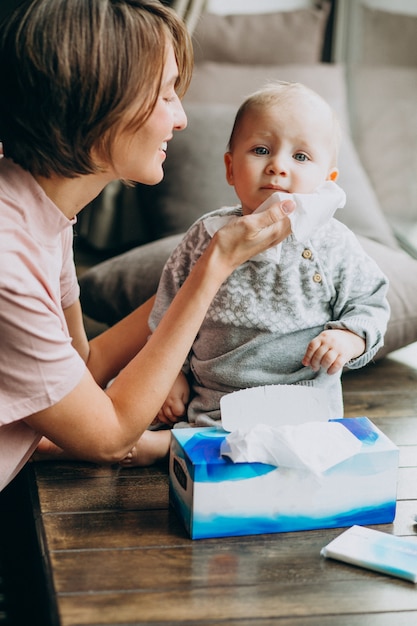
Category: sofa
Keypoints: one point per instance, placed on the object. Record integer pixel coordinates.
(234, 55)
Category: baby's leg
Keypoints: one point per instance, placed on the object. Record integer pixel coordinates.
(152, 447)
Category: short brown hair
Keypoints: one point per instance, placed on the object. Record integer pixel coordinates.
(71, 68)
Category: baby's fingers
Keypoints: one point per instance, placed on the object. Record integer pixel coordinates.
(313, 354)
(335, 365)
(323, 356)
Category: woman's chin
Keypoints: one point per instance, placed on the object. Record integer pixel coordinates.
(150, 180)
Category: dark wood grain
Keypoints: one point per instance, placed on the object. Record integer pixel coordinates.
(194, 604)
(118, 555)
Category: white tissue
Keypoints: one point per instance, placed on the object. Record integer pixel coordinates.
(313, 446)
(215, 223)
(315, 209)
(312, 211)
(285, 426)
(273, 405)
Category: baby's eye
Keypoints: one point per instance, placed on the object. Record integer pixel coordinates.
(300, 156)
(261, 150)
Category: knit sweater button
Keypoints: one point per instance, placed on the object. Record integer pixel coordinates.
(307, 254)
(317, 278)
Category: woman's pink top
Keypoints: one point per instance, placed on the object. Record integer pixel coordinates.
(38, 365)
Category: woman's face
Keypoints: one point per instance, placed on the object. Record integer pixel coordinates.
(138, 155)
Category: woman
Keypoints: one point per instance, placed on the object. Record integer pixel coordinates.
(91, 94)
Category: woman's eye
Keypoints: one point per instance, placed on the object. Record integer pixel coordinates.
(170, 97)
(299, 156)
(261, 150)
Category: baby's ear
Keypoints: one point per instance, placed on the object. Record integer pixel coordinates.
(333, 174)
(228, 161)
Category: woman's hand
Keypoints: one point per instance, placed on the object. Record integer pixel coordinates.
(249, 235)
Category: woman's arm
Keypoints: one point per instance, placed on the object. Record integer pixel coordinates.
(102, 425)
(122, 341)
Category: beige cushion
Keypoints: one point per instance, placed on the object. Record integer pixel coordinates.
(271, 38)
(384, 103)
(227, 83)
(388, 38)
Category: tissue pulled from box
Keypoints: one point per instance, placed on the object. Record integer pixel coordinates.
(312, 210)
(285, 426)
(312, 446)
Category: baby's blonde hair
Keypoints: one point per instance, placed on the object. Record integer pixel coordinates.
(281, 92)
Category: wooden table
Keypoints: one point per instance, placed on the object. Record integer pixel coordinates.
(116, 554)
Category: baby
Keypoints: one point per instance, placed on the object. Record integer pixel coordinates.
(296, 314)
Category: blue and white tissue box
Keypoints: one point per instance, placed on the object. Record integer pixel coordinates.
(217, 497)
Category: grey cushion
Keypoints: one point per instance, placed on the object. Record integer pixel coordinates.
(114, 288)
(194, 175)
(401, 271)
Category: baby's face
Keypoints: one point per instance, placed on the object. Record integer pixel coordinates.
(288, 148)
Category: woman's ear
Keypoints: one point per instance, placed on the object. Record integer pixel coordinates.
(333, 174)
(228, 161)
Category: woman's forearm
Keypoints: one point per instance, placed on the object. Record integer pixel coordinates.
(113, 349)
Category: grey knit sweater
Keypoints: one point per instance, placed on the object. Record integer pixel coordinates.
(258, 326)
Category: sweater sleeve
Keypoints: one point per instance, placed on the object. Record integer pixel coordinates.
(360, 304)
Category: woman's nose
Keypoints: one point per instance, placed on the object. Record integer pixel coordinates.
(180, 118)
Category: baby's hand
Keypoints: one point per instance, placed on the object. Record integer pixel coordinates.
(332, 349)
(175, 405)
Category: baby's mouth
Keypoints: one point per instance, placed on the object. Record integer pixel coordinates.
(275, 188)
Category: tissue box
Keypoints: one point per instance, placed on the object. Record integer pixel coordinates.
(216, 497)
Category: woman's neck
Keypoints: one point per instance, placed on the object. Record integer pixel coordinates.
(71, 195)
